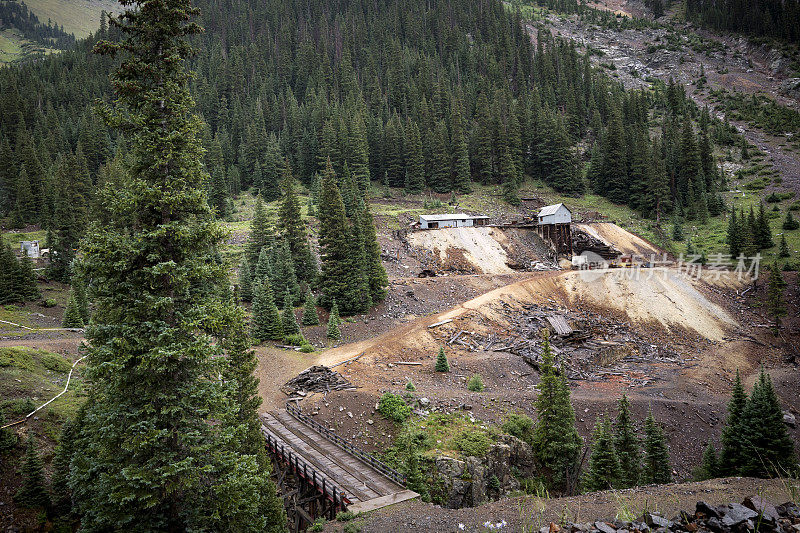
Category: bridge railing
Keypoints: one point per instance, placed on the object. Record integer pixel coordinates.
(350, 448)
(306, 471)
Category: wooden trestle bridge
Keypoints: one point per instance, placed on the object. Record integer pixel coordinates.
(319, 473)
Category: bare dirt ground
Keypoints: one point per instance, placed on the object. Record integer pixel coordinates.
(622, 240)
(529, 513)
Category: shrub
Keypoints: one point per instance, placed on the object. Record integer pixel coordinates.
(345, 516)
(410, 386)
(56, 363)
(393, 407)
(306, 347)
(295, 339)
(473, 442)
(50, 302)
(475, 383)
(520, 426)
(18, 357)
(318, 525)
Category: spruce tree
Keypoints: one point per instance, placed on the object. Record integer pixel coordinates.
(730, 457)
(767, 448)
(81, 298)
(310, 315)
(26, 281)
(626, 443)
(376, 274)
(789, 222)
(245, 282)
(734, 235)
(415, 162)
(294, 231)
(8, 439)
(508, 177)
(72, 314)
(783, 248)
(158, 415)
(604, 467)
(283, 278)
(776, 302)
(33, 492)
(266, 320)
(709, 467)
(59, 483)
(260, 233)
(288, 319)
(556, 442)
(442, 365)
(764, 233)
(657, 469)
(263, 270)
(336, 277)
(333, 323)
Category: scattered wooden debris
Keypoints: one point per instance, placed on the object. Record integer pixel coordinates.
(318, 378)
(407, 363)
(443, 322)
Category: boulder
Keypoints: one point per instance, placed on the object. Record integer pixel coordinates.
(736, 514)
(762, 507)
(703, 510)
(789, 419)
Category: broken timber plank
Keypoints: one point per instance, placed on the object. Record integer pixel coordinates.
(559, 324)
(446, 321)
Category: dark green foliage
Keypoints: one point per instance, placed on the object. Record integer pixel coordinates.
(33, 492)
(288, 319)
(245, 282)
(776, 302)
(266, 321)
(656, 455)
(260, 234)
(333, 323)
(8, 439)
(604, 468)
(17, 279)
(59, 483)
(520, 426)
(72, 314)
(768, 18)
(677, 229)
(763, 233)
(376, 274)
(310, 315)
(282, 276)
(709, 465)
(441, 361)
(789, 223)
(767, 448)
(393, 407)
(731, 454)
(734, 235)
(508, 174)
(81, 298)
(627, 446)
(556, 443)
(294, 231)
(159, 413)
(783, 248)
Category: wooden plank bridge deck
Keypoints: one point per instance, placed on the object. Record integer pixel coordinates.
(338, 469)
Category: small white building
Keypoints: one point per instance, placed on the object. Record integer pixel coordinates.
(456, 220)
(555, 214)
(30, 248)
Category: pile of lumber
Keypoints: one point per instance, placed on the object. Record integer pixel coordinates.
(318, 378)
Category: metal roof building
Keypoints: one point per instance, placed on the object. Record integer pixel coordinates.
(555, 214)
(455, 220)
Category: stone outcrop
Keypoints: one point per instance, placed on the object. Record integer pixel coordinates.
(471, 481)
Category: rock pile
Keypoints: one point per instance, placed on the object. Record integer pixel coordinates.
(753, 514)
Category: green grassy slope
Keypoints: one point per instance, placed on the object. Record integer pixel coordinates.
(80, 17)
